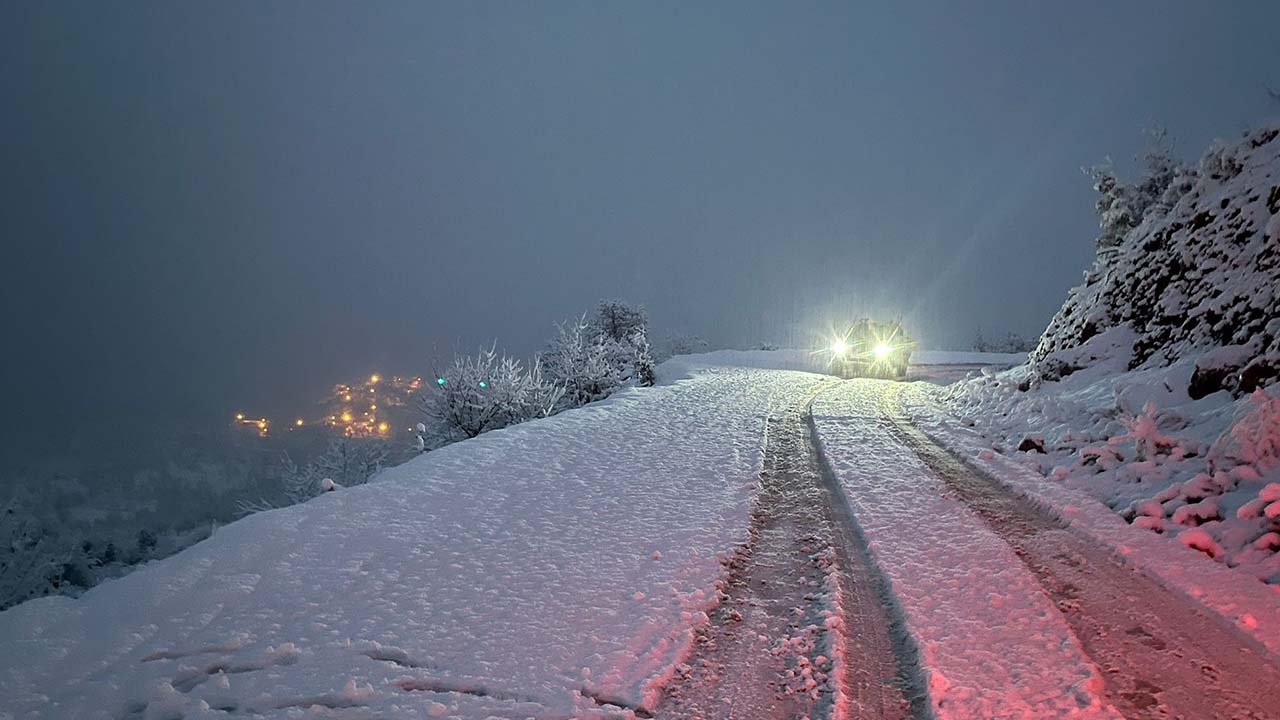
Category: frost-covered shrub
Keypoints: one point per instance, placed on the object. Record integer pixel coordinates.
(688, 344)
(620, 321)
(351, 461)
(1121, 208)
(1012, 342)
(39, 555)
(485, 392)
(587, 366)
(1144, 433)
(1254, 439)
(31, 561)
(592, 358)
(346, 461)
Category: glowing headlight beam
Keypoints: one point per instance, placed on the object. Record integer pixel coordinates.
(882, 351)
(839, 347)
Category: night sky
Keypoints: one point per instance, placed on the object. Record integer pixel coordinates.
(222, 205)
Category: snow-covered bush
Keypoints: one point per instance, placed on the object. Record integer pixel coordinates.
(345, 462)
(1254, 439)
(592, 358)
(1012, 342)
(1121, 208)
(587, 366)
(625, 328)
(620, 320)
(484, 392)
(41, 555)
(31, 562)
(682, 344)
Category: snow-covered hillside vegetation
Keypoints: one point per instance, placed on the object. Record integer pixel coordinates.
(1155, 386)
(1197, 268)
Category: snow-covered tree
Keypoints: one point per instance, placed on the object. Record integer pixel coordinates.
(485, 392)
(1165, 179)
(1116, 215)
(1121, 207)
(588, 366)
(351, 461)
(684, 344)
(620, 321)
(347, 461)
(642, 360)
(624, 329)
(31, 561)
(592, 358)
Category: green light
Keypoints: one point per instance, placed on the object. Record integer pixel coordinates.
(440, 382)
(483, 384)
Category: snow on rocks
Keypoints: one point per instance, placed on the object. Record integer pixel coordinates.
(1196, 279)
(559, 567)
(991, 644)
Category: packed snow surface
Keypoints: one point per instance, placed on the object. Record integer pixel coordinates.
(555, 568)
(991, 644)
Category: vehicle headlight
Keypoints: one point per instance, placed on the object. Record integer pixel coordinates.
(882, 351)
(839, 347)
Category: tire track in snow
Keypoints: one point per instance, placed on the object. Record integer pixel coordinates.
(802, 629)
(1160, 656)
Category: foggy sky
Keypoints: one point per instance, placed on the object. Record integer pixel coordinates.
(210, 206)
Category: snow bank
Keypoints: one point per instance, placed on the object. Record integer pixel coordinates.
(521, 573)
(1082, 481)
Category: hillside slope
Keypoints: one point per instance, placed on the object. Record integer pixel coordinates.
(1154, 387)
(1202, 274)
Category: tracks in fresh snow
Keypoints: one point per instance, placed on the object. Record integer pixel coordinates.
(1160, 656)
(804, 628)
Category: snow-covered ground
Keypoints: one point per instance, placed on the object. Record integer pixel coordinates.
(991, 644)
(540, 570)
(562, 567)
(1190, 489)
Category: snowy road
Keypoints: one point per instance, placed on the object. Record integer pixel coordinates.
(804, 629)
(735, 543)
